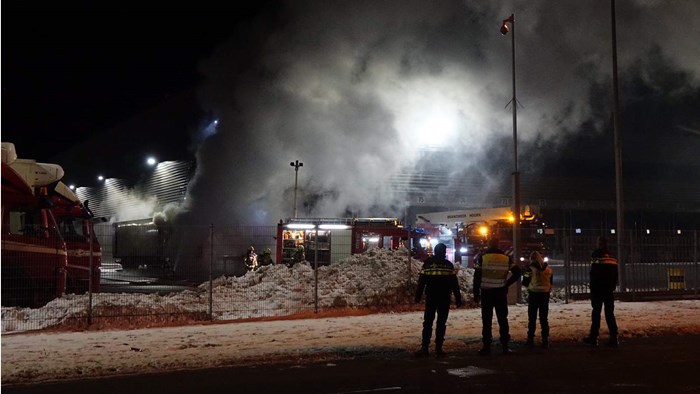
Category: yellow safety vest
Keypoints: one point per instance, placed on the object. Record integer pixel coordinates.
(540, 280)
(494, 270)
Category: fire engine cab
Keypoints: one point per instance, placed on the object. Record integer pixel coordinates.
(327, 240)
(466, 232)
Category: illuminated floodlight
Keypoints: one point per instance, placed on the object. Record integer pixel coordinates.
(612, 231)
(678, 232)
(151, 161)
(72, 187)
(578, 231)
(333, 227)
(100, 178)
(373, 239)
(546, 259)
(648, 232)
(462, 250)
(301, 226)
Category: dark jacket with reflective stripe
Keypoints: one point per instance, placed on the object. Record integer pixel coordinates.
(603, 271)
(438, 279)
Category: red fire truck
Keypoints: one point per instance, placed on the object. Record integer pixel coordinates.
(75, 221)
(465, 232)
(328, 240)
(34, 255)
(76, 224)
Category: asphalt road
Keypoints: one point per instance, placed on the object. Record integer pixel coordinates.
(639, 365)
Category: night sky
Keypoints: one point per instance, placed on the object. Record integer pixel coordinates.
(74, 70)
(360, 91)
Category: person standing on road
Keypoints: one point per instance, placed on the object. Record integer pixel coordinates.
(538, 281)
(603, 281)
(439, 281)
(491, 283)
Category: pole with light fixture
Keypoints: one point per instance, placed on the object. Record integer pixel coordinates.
(516, 174)
(296, 164)
(618, 152)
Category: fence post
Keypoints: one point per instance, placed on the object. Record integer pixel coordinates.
(211, 263)
(90, 235)
(695, 258)
(567, 267)
(631, 280)
(316, 269)
(408, 261)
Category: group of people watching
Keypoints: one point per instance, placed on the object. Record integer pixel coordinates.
(494, 272)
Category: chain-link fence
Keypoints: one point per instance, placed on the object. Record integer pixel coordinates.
(160, 274)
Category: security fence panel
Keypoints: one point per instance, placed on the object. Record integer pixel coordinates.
(581, 245)
(155, 274)
(654, 263)
(247, 284)
(663, 262)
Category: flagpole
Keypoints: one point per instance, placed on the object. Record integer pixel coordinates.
(516, 173)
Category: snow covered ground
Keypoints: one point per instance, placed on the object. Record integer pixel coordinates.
(376, 278)
(112, 350)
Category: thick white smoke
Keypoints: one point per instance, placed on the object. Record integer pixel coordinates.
(359, 91)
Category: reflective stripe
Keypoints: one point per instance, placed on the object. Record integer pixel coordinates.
(604, 260)
(82, 253)
(437, 271)
(32, 248)
(80, 267)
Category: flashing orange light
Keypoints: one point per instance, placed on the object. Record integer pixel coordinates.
(483, 230)
(511, 218)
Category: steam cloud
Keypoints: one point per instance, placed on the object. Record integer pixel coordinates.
(362, 91)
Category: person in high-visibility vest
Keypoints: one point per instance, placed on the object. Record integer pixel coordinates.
(538, 281)
(439, 281)
(603, 281)
(491, 282)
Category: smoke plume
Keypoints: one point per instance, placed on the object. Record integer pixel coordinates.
(362, 92)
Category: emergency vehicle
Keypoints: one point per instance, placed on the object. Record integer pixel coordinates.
(328, 240)
(466, 232)
(75, 223)
(34, 255)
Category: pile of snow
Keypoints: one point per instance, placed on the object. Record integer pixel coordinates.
(376, 278)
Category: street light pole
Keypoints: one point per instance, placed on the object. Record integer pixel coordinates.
(618, 151)
(296, 164)
(516, 174)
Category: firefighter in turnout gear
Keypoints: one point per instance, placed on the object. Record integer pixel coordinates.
(251, 259)
(603, 277)
(538, 281)
(266, 257)
(438, 280)
(491, 283)
(299, 254)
